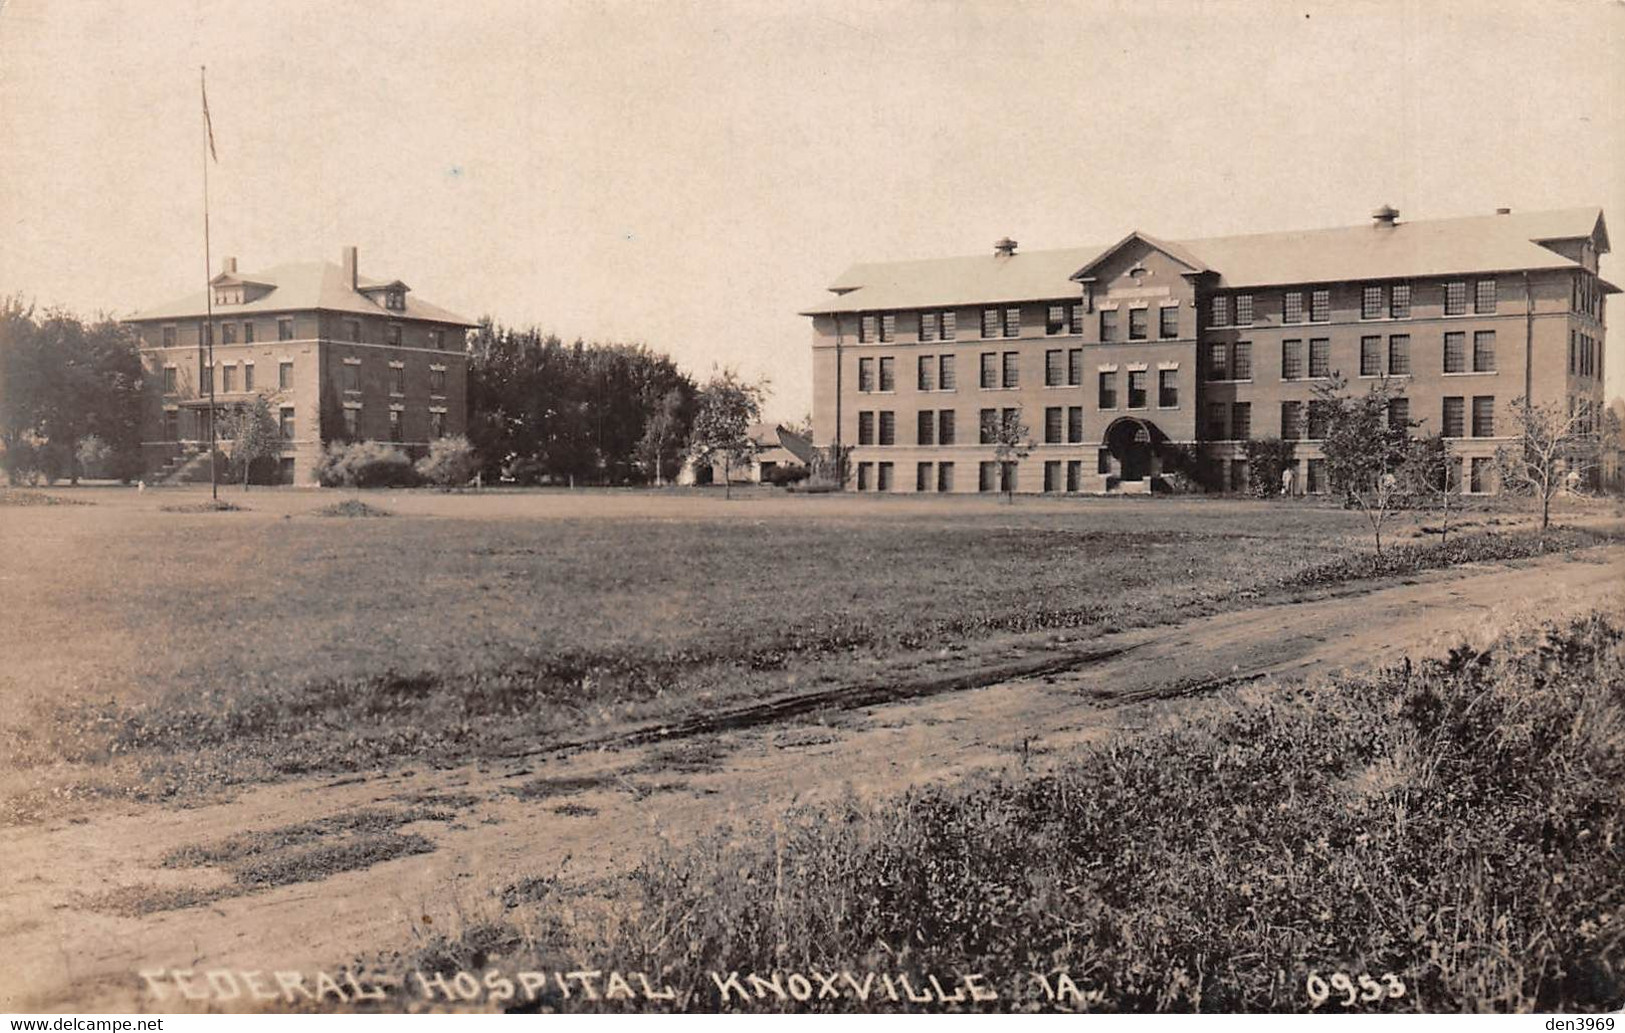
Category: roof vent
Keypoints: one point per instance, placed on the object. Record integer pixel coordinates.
(1385, 217)
(1004, 247)
(1503, 211)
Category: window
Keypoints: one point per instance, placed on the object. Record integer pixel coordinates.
(1320, 357)
(1316, 478)
(949, 326)
(1292, 307)
(1007, 477)
(228, 333)
(1241, 420)
(866, 428)
(1074, 424)
(248, 333)
(1454, 419)
(946, 380)
(1455, 298)
(1221, 310)
(1012, 321)
(990, 323)
(172, 425)
(1399, 355)
(352, 330)
(437, 340)
(1108, 324)
(1320, 306)
(1484, 416)
(1136, 389)
(1238, 475)
(1055, 321)
(883, 480)
(868, 328)
(1291, 421)
(1371, 303)
(205, 333)
(1075, 324)
(1108, 391)
(1479, 475)
(1244, 310)
(397, 380)
(228, 379)
(1010, 422)
(437, 424)
(1291, 360)
(945, 477)
(1052, 476)
(1138, 319)
(1218, 361)
(1103, 461)
(285, 424)
(352, 377)
(1455, 349)
(1399, 301)
(284, 376)
(1318, 420)
(888, 326)
(865, 475)
(866, 374)
(928, 326)
(1167, 388)
(395, 300)
(169, 380)
(1074, 475)
(395, 433)
(169, 337)
(888, 373)
(1074, 367)
(248, 376)
(1242, 366)
(986, 476)
(1399, 413)
(1484, 351)
(206, 380)
(945, 427)
(393, 335)
(1484, 297)
(284, 329)
(925, 373)
(1216, 412)
(1012, 372)
(351, 420)
(1371, 356)
(437, 381)
(1168, 321)
(1052, 425)
(925, 428)
(1052, 367)
(989, 426)
(922, 477)
(990, 370)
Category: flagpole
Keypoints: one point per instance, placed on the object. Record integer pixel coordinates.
(208, 272)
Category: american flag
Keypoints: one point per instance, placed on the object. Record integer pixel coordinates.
(208, 124)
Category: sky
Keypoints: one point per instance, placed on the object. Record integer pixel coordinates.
(690, 175)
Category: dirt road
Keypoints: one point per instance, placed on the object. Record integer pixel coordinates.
(63, 951)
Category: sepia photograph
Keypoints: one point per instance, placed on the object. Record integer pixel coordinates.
(907, 507)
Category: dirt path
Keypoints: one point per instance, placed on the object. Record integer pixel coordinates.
(60, 953)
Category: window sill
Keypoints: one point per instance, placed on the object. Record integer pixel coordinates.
(1473, 373)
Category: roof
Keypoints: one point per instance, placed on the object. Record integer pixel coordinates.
(769, 436)
(302, 286)
(1435, 247)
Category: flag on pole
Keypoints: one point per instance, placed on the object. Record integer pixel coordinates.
(208, 124)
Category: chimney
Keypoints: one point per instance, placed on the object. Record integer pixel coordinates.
(350, 271)
(1385, 217)
(228, 266)
(1503, 211)
(1004, 247)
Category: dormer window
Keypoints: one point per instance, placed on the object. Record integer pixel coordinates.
(228, 295)
(395, 299)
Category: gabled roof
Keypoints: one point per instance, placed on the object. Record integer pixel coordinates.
(302, 286)
(1436, 247)
(769, 436)
(1174, 251)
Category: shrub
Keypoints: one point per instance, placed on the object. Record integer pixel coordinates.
(785, 475)
(1267, 458)
(528, 470)
(451, 462)
(95, 457)
(366, 464)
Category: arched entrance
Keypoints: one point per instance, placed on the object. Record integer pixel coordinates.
(1132, 442)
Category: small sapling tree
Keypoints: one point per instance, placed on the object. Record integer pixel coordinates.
(1366, 449)
(250, 432)
(1435, 474)
(1012, 442)
(1552, 450)
(721, 429)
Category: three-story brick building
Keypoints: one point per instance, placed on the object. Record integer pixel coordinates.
(1121, 359)
(338, 355)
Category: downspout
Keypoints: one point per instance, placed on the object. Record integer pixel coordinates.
(840, 458)
(1528, 340)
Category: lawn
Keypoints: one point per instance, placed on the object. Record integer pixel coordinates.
(173, 647)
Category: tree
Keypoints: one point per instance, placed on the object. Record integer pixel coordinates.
(1552, 451)
(830, 466)
(1013, 442)
(1267, 458)
(721, 430)
(1365, 449)
(661, 434)
(1435, 473)
(250, 433)
(451, 462)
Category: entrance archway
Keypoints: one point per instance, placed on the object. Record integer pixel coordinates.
(1133, 442)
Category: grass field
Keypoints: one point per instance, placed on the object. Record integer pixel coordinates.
(152, 652)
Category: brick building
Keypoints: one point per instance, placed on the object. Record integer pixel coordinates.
(1119, 358)
(337, 354)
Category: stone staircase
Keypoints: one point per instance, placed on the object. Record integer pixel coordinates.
(187, 466)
